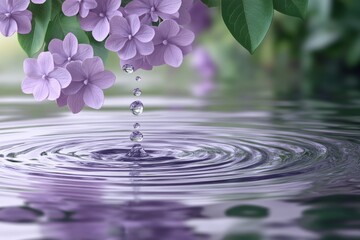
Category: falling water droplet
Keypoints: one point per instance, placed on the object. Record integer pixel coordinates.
(128, 68)
(138, 78)
(137, 108)
(137, 92)
(136, 126)
(136, 136)
(137, 152)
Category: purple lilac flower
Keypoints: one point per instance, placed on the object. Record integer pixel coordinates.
(184, 12)
(128, 37)
(98, 19)
(169, 42)
(154, 8)
(88, 81)
(200, 17)
(73, 7)
(69, 50)
(43, 79)
(14, 17)
(138, 62)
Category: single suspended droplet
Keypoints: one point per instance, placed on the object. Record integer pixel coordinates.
(137, 108)
(128, 68)
(137, 92)
(138, 78)
(136, 126)
(136, 136)
(137, 152)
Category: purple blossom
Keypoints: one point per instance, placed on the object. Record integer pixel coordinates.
(88, 81)
(171, 43)
(43, 79)
(184, 12)
(200, 17)
(98, 19)
(14, 17)
(69, 50)
(154, 9)
(129, 38)
(73, 7)
(138, 62)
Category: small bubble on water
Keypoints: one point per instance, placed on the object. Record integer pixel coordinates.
(137, 92)
(136, 136)
(136, 126)
(137, 107)
(128, 68)
(138, 79)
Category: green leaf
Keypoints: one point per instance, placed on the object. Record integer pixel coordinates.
(99, 47)
(125, 2)
(247, 20)
(62, 25)
(34, 41)
(211, 3)
(295, 8)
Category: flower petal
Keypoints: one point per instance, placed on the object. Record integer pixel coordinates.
(89, 23)
(137, 7)
(8, 27)
(169, 6)
(169, 28)
(115, 42)
(41, 91)
(112, 5)
(91, 66)
(73, 88)
(173, 56)
(62, 100)
(157, 57)
(128, 51)
(76, 102)
(101, 30)
(145, 34)
(62, 76)
(145, 48)
(46, 62)
(56, 46)
(31, 68)
(23, 20)
(28, 85)
(119, 26)
(70, 45)
(134, 23)
(184, 38)
(84, 51)
(20, 5)
(71, 7)
(103, 79)
(76, 71)
(93, 96)
(54, 89)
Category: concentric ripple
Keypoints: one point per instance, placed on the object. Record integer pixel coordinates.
(203, 156)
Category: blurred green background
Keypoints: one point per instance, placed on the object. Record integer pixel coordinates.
(317, 58)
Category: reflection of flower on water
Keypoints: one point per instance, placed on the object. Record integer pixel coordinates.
(75, 210)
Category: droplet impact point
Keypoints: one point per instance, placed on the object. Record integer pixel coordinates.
(137, 151)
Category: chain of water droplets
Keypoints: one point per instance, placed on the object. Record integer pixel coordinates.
(137, 109)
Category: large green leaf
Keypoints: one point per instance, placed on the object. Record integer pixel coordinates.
(34, 41)
(62, 25)
(248, 20)
(99, 47)
(211, 3)
(295, 8)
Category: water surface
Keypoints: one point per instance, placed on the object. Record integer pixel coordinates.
(269, 170)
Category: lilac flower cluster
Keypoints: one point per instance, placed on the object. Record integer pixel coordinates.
(144, 33)
(68, 73)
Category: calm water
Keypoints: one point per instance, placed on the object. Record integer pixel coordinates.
(228, 171)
